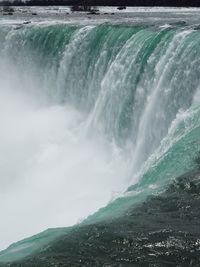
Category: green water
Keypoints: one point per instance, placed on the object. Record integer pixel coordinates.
(136, 85)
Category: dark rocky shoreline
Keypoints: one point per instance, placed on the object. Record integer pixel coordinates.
(162, 231)
(149, 3)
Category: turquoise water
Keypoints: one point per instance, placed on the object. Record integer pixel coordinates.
(137, 88)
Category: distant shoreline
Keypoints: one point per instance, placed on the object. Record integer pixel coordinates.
(119, 3)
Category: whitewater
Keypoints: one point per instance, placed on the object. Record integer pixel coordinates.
(94, 113)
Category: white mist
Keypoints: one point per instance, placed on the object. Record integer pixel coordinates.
(51, 175)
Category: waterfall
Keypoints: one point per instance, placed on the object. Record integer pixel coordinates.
(90, 114)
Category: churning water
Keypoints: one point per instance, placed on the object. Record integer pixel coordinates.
(88, 110)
